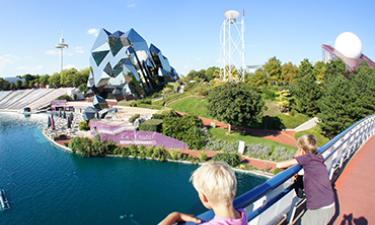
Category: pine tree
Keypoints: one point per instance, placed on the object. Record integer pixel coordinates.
(306, 93)
(338, 106)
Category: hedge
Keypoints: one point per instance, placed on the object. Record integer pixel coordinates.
(151, 125)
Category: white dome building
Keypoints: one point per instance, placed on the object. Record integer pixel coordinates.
(349, 45)
(348, 48)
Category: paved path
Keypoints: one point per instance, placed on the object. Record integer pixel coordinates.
(356, 188)
(311, 123)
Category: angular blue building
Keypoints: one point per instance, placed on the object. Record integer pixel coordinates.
(124, 66)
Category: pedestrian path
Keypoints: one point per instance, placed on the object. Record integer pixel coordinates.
(356, 188)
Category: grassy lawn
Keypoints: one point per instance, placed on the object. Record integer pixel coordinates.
(272, 108)
(315, 131)
(193, 105)
(221, 134)
(293, 121)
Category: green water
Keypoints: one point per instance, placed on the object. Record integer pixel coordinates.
(48, 186)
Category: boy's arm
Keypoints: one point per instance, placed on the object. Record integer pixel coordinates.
(174, 217)
(286, 164)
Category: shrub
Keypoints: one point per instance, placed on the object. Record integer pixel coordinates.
(82, 146)
(258, 151)
(186, 128)
(151, 125)
(133, 150)
(84, 125)
(233, 159)
(133, 118)
(160, 153)
(158, 116)
(221, 145)
(203, 156)
(175, 155)
(65, 97)
(235, 103)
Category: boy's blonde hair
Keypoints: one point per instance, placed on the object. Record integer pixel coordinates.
(217, 181)
(308, 143)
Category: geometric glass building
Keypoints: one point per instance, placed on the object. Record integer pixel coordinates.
(348, 48)
(124, 66)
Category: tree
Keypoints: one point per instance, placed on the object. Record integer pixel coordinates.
(306, 93)
(257, 79)
(43, 80)
(320, 71)
(272, 68)
(4, 84)
(81, 77)
(235, 103)
(284, 100)
(54, 80)
(212, 72)
(305, 68)
(364, 84)
(68, 78)
(337, 107)
(335, 68)
(289, 73)
(347, 100)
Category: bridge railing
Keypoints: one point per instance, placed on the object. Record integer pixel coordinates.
(275, 202)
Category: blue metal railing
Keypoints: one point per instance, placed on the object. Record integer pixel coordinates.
(248, 198)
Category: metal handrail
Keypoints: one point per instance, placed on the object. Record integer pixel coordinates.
(270, 185)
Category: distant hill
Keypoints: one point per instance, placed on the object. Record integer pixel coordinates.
(12, 79)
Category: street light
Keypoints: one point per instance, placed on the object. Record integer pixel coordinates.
(61, 45)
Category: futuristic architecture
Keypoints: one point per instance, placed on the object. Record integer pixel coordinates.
(124, 66)
(61, 45)
(348, 48)
(232, 42)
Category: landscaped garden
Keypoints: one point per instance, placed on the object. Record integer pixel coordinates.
(276, 97)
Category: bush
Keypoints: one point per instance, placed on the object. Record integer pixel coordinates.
(65, 97)
(158, 116)
(133, 118)
(84, 125)
(160, 154)
(123, 151)
(151, 125)
(175, 155)
(232, 159)
(187, 128)
(235, 103)
(221, 145)
(203, 156)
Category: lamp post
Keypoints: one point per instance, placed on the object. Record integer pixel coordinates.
(61, 45)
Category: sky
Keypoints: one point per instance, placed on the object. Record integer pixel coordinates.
(187, 32)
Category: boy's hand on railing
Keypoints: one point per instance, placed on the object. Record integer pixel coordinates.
(174, 217)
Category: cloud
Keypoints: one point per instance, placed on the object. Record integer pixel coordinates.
(79, 50)
(31, 69)
(52, 52)
(93, 31)
(6, 60)
(69, 66)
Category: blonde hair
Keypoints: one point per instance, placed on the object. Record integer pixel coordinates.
(308, 143)
(217, 181)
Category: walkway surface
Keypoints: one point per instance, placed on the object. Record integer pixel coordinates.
(356, 188)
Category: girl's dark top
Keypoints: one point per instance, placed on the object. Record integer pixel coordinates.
(318, 187)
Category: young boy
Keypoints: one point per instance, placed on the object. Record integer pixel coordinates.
(216, 185)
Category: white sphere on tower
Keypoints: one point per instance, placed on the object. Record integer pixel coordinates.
(349, 45)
